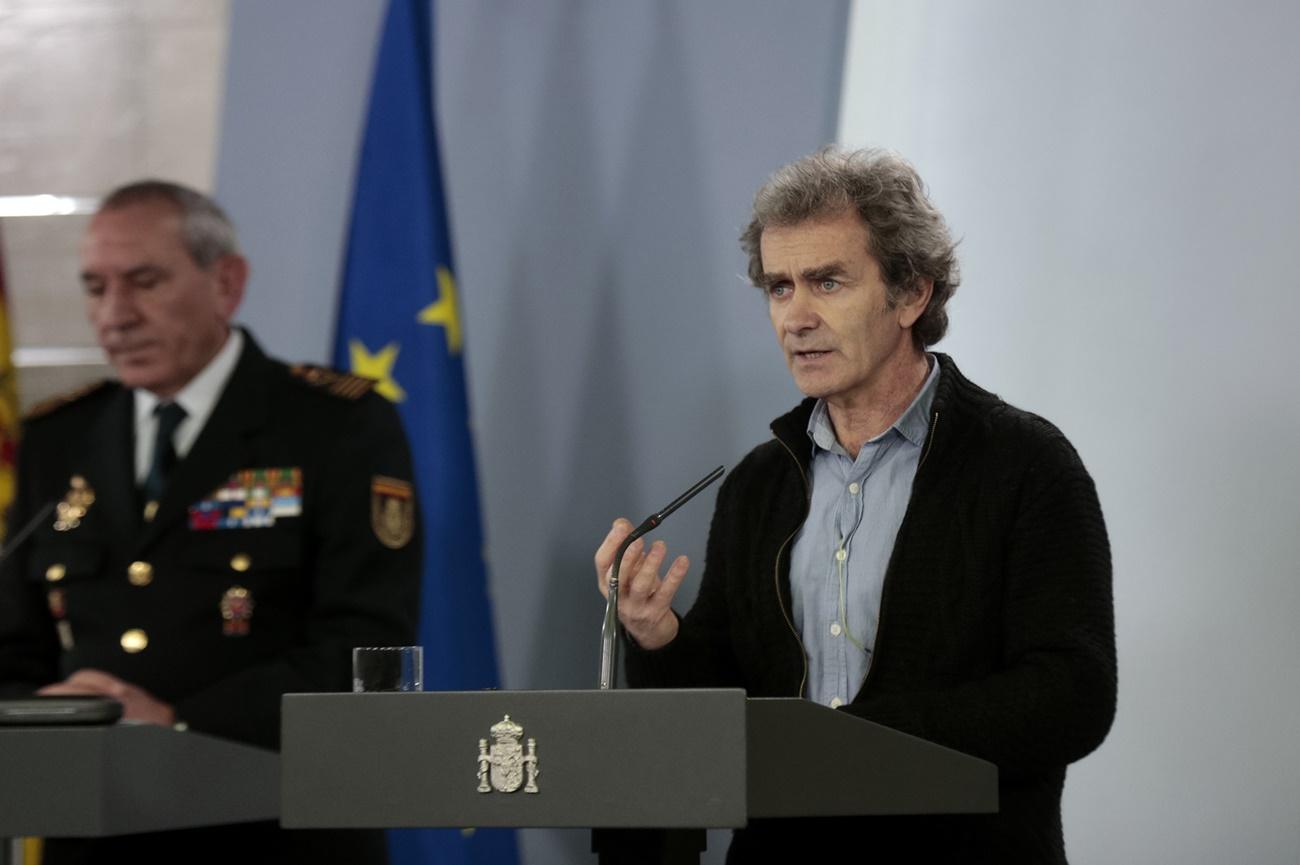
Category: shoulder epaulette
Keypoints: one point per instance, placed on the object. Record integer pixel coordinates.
(54, 403)
(342, 384)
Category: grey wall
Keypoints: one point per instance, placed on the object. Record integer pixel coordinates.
(1126, 181)
(297, 81)
(599, 159)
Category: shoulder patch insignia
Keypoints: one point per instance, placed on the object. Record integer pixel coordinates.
(54, 403)
(341, 384)
(392, 511)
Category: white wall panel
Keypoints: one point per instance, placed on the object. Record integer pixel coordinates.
(1125, 180)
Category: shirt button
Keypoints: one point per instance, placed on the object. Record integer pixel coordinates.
(835, 629)
(139, 573)
(836, 702)
(240, 562)
(840, 555)
(854, 488)
(134, 641)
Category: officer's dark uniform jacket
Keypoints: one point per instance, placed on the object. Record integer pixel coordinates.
(223, 601)
(318, 581)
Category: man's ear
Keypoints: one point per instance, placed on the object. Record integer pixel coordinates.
(914, 302)
(231, 272)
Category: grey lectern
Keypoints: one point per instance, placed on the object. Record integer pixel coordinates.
(614, 758)
(84, 782)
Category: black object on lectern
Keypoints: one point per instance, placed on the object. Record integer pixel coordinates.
(84, 782)
(695, 759)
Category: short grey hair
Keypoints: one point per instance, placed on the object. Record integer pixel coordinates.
(906, 234)
(206, 231)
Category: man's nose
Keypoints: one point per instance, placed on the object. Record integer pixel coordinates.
(800, 312)
(116, 308)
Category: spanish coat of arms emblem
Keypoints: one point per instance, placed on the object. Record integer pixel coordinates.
(505, 766)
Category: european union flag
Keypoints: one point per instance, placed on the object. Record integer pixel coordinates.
(399, 322)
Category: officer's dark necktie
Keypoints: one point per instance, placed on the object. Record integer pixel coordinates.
(169, 416)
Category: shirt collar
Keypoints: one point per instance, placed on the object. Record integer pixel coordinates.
(913, 424)
(199, 397)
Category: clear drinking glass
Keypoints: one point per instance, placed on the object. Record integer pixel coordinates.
(387, 668)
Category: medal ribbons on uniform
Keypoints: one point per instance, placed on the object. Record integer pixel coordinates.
(250, 499)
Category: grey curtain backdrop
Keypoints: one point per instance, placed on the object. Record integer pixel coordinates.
(600, 159)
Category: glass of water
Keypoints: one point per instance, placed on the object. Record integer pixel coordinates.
(387, 668)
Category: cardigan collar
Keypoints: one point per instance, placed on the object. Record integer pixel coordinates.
(952, 391)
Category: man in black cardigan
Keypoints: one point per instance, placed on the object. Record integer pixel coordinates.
(908, 548)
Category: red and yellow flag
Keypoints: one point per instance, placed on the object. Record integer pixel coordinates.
(8, 407)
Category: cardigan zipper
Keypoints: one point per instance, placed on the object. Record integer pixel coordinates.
(776, 568)
(884, 588)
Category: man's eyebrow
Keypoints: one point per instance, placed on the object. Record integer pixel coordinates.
(135, 272)
(830, 270)
(143, 270)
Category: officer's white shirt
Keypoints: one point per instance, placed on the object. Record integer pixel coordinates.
(198, 398)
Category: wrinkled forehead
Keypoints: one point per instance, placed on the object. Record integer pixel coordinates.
(837, 234)
(133, 234)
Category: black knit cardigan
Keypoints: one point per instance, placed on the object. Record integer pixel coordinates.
(996, 634)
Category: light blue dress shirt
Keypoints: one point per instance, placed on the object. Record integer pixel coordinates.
(839, 558)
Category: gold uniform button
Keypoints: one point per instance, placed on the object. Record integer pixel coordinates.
(55, 572)
(134, 640)
(140, 573)
(240, 562)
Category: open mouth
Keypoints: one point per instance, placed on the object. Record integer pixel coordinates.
(810, 355)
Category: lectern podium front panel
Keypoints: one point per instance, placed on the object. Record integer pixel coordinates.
(807, 760)
(125, 778)
(599, 758)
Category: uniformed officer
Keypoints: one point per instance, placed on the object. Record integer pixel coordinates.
(215, 528)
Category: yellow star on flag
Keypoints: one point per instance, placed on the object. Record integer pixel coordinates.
(378, 366)
(443, 311)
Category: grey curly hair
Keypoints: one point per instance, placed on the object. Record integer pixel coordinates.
(906, 234)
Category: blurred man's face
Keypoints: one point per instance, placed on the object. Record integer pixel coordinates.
(830, 309)
(158, 316)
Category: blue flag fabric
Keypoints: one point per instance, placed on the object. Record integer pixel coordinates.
(399, 322)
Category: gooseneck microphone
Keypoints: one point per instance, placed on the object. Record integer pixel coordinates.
(609, 631)
(22, 534)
